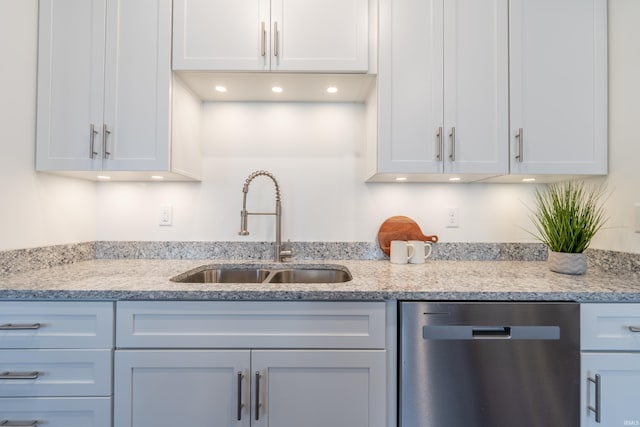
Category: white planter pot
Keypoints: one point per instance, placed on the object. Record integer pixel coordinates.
(567, 263)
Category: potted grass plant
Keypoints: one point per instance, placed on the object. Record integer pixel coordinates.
(566, 217)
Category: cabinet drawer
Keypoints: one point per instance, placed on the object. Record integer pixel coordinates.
(26, 373)
(79, 324)
(610, 326)
(56, 412)
(264, 324)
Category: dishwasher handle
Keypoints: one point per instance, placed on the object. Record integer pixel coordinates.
(479, 332)
(491, 332)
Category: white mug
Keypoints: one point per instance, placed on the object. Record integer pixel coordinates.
(421, 251)
(401, 251)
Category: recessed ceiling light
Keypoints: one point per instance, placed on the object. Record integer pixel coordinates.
(158, 177)
(221, 89)
(401, 178)
(528, 179)
(103, 177)
(332, 89)
(276, 89)
(455, 178)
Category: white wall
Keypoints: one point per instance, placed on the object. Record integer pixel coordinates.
(313, 150)
(35, 209)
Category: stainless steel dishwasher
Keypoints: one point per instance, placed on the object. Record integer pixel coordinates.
(489, 364)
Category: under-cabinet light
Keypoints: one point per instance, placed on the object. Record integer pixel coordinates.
(276, 89)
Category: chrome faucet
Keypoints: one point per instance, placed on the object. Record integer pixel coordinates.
(279, 251)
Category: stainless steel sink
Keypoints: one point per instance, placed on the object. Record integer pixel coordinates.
(269, 274)
(225, 275)
(311, 275)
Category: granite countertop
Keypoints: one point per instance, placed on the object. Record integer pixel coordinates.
(106, 279)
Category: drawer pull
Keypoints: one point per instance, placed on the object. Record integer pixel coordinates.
(15, 423)
(634, 328)
(19, 376)
(19, 327)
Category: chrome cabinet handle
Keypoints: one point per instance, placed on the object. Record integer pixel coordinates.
(257, 395)
(105, 133)
(520, 137)
(452, 135)
(19, 326)
(239, 402)
(276, 39)
(19, 375)
(263, 40)
(597, 410)
(439, 144)
(16, 423)
(92, 141)
(634, 328)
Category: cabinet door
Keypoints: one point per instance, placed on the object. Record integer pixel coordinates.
(558, 71)
(137, 85)
(181, 388)
(619, 380)
(221, 35)
(476, 87)
(312, 35)
(319, 388)
(410, 91)
(70, 83)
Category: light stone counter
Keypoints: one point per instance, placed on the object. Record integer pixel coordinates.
(105, 279)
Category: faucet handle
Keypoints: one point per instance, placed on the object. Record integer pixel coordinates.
(286, 250)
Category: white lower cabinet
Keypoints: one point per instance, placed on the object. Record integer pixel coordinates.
(284, 388)
(56, 363)
(610, 342)
(163, 385)
(610, 387)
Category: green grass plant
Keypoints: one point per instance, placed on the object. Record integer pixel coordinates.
(568, 215)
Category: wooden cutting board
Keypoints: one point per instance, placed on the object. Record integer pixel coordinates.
(401, 228)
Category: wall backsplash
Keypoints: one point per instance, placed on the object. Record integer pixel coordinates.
(17, 261)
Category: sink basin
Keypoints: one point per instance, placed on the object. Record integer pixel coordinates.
(276, 274)
(225, 275)
(311, 275)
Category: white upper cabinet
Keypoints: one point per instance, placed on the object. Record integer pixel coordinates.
(490, 90)
(558, 86)
(104, 87)
(442, 88)
(137, 85)
(70, 84)
(276, 35)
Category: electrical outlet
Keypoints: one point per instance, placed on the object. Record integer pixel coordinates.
(166, 216)
(453, 218)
